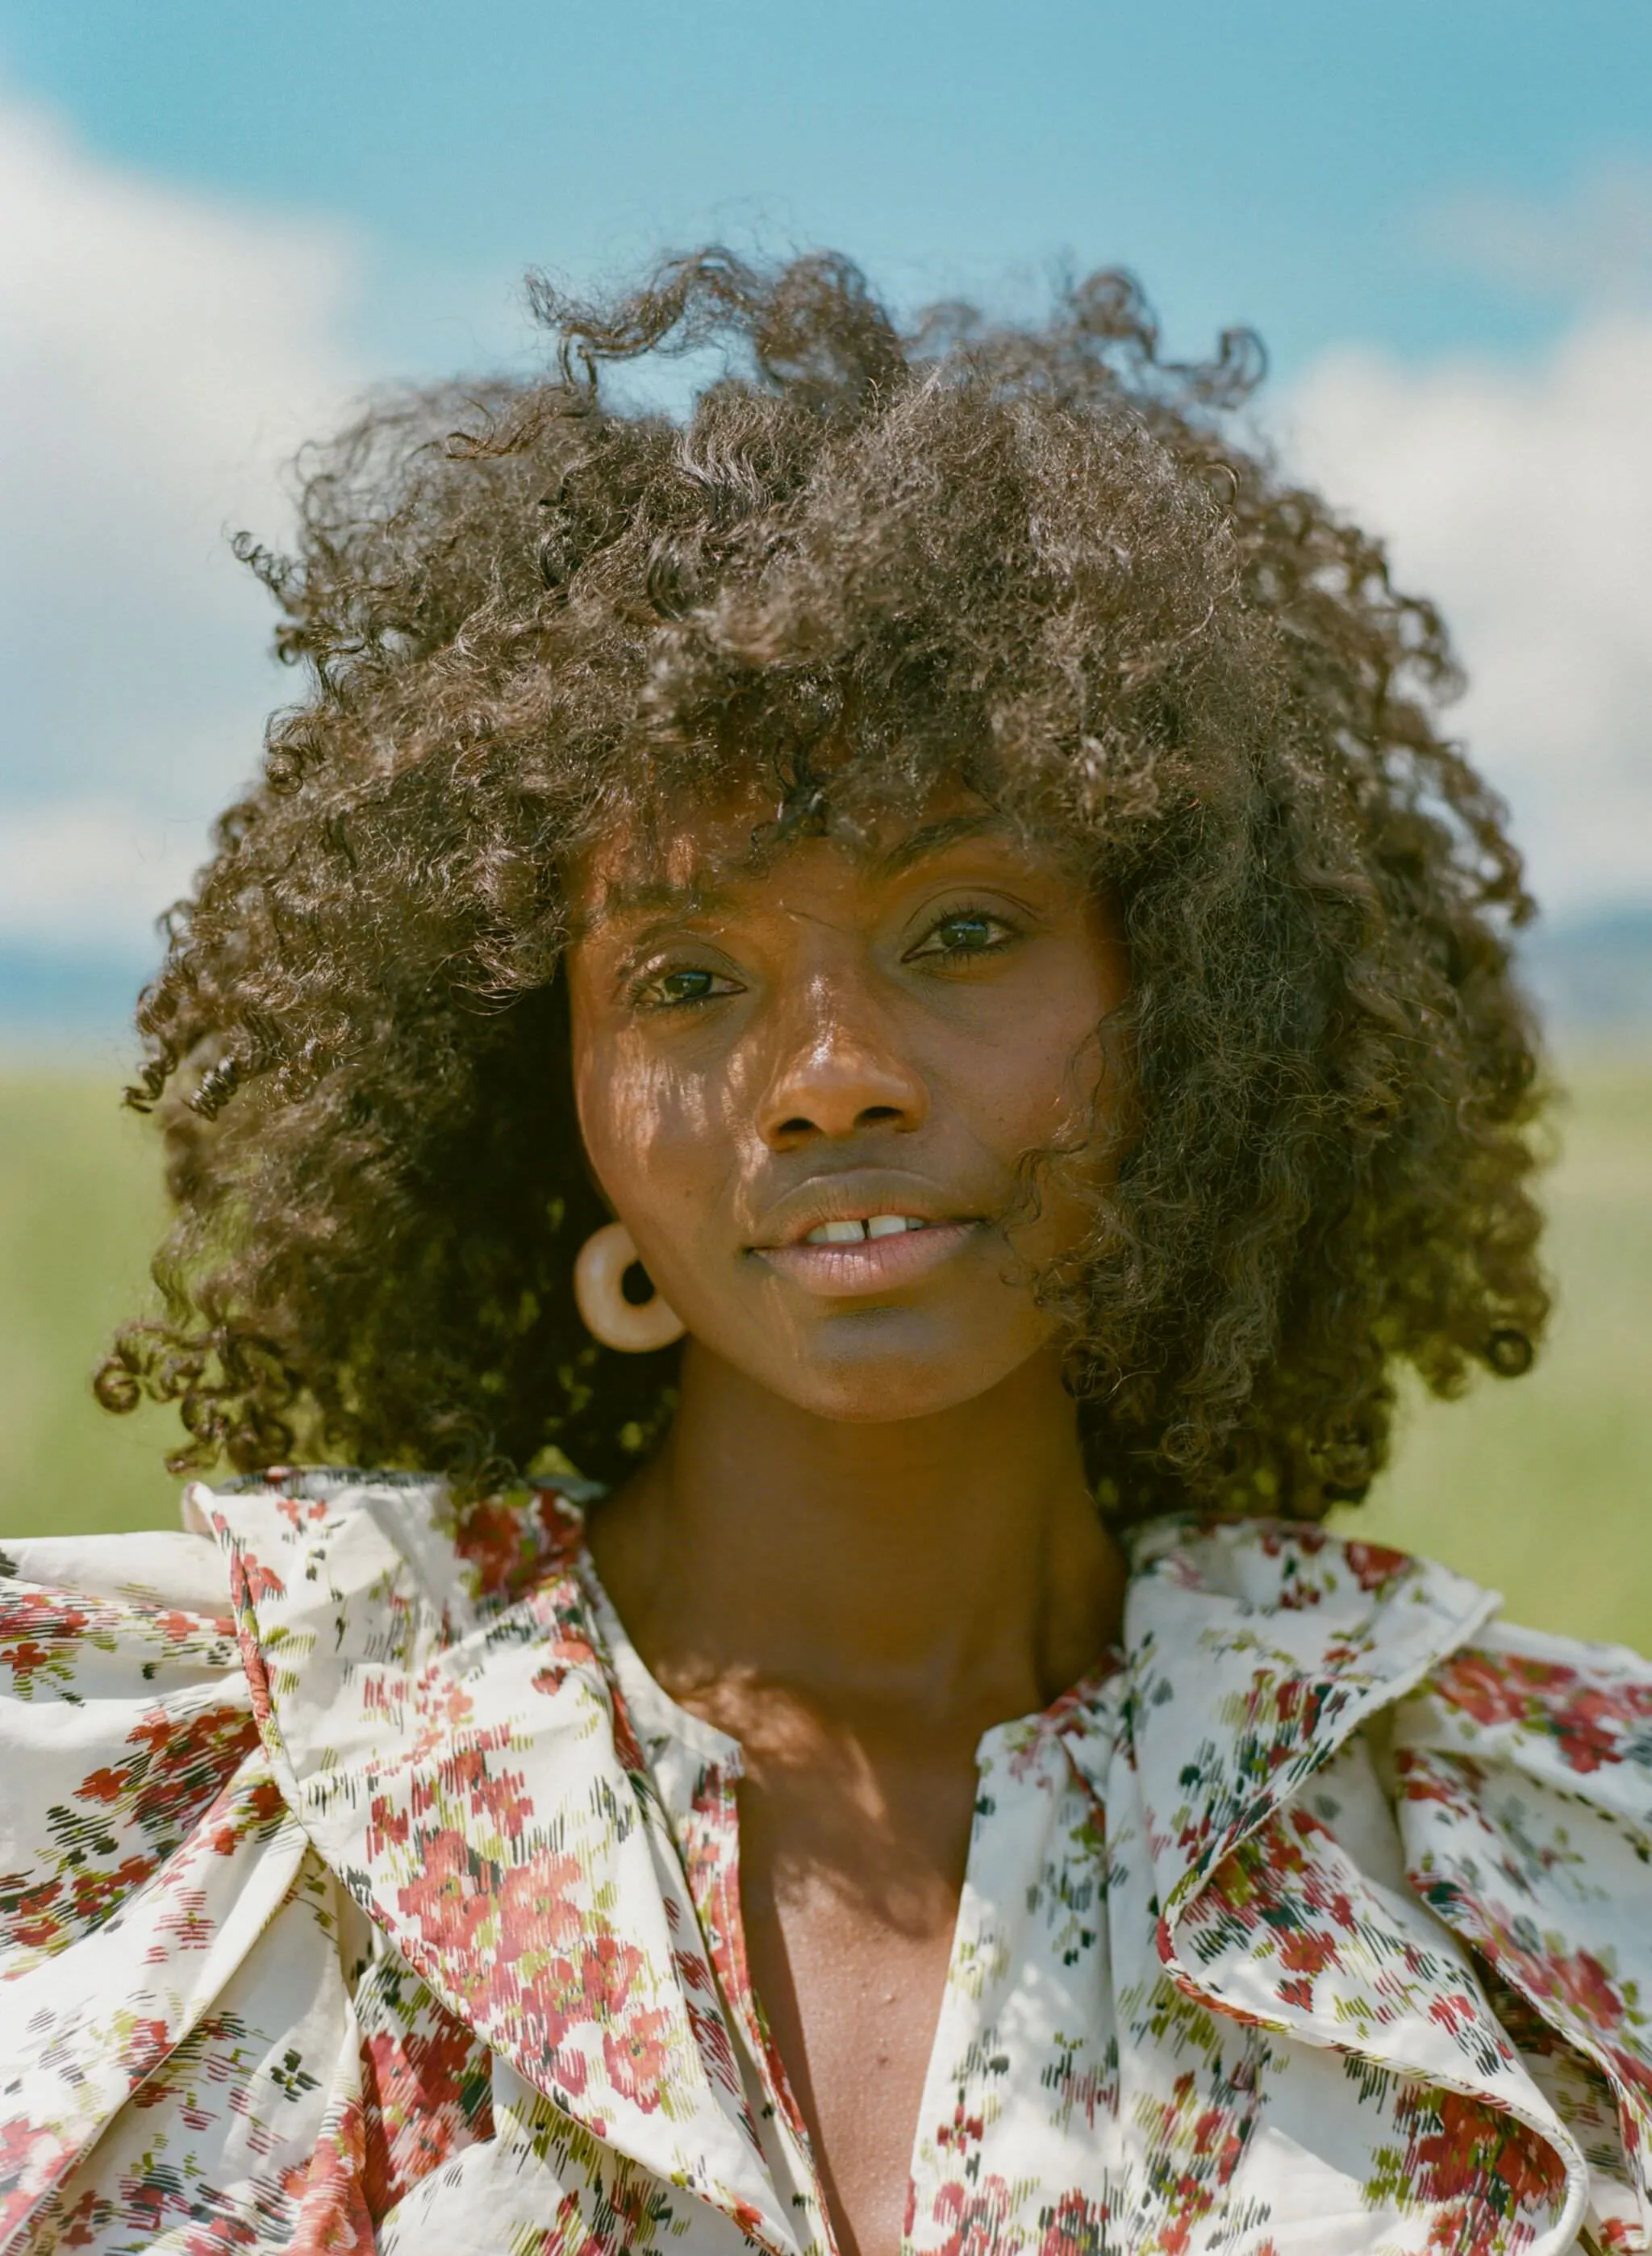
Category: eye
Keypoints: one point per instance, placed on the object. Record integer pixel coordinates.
(961, 934)
(689, 983)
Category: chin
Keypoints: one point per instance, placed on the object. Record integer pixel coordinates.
(880, 1388)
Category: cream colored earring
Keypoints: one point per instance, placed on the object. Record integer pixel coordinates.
(632, 1327)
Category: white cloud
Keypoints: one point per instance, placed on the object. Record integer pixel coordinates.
(1521, 497)
(159, 356)
(90, 873)
(1593, 244)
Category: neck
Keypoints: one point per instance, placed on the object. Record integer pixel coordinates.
(953, 1562)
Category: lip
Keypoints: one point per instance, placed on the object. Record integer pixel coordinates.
(840, 1272)
(870, 1264)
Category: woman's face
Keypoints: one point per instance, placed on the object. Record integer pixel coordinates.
(805, 1086)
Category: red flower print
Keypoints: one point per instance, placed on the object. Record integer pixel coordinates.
(1305, 1952)
(502, 1855)
(424, 2082)
(635, 2056)
(608, 1968)
(30, 2155)
(81, 2225)
(1075, 2228)
(975, 2215)
(1373, 1566)
(539, 1908)
(446, 1899)
(250, 1580)
(331, 2215)
(1588, 1719)
(489, 1537)
(300, 1512)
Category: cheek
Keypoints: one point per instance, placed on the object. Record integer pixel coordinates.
(647, 1134)
(1048, 1077)
(623, 1115)
(1086, 1061)
(1060, 1080)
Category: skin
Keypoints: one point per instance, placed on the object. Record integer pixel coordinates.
(868, 1537)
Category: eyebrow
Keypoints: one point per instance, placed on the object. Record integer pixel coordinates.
(629, 897)
(933, 837)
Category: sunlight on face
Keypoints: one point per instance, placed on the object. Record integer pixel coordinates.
(807, 1084)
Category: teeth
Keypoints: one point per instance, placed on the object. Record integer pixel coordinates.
(852, 1233)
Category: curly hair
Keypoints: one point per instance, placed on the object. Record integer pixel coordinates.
(1036, 559)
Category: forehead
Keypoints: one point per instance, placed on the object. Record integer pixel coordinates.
(739, 841)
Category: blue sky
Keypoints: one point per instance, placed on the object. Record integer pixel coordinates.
(223, 222)
(1282, 161)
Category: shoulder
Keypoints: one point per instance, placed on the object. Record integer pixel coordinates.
(1510, 1775)
(160, 1566)
(1523, 1764)
(113, 1585)
(1517, 1764)
(1522, 1779)
(1267, 1570)
(103, 1617)
(1568, 1710)
(1465, 1685)
(135, 1759)
(113, 1617)
(124, 1715)
(170, 1937)
(64, 1597)
(143, 1838)
(390, 1539)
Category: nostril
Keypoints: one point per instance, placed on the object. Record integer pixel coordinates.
(878, 1116)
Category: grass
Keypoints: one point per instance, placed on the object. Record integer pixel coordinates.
(1541, 1487)
(79, 1213)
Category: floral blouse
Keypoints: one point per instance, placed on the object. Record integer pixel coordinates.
(360, 1890)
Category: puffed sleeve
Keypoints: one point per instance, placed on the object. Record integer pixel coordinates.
(1523, 1768)
(178, 2058)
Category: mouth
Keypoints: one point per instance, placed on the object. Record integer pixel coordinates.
(864, 1245)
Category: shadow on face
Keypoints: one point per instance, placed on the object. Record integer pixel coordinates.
(810, 1078)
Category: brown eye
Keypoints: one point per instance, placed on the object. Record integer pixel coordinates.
(674, 989)
(968, 932)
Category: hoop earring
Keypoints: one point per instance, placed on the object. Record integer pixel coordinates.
(633, 1328)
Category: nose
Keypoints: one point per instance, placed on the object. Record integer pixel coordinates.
(838, 1070)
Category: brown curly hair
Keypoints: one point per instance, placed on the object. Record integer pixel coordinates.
(1035, 559)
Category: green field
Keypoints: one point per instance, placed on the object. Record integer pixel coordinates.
(1542, 1487)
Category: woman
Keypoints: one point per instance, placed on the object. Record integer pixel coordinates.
(897, 972)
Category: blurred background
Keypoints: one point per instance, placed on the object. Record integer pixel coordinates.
(218, 226)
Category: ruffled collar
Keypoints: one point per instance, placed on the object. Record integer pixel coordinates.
(435, 1697)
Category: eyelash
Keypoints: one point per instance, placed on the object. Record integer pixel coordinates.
(965, 913)
(640, 998)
